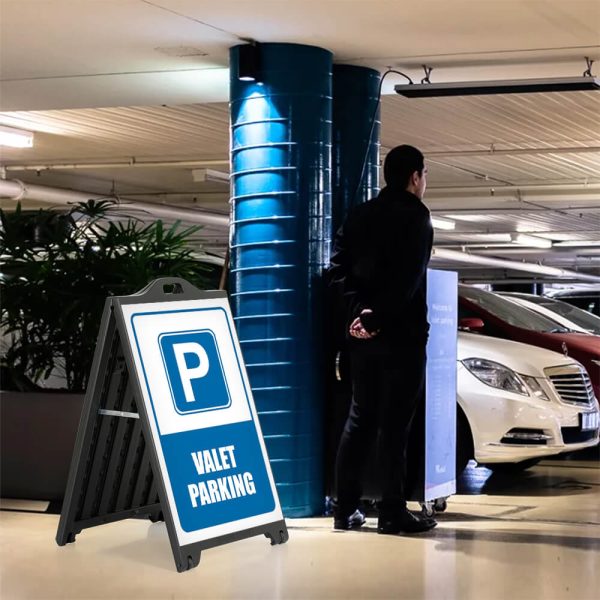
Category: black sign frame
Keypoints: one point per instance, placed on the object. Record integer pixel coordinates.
(115, 472)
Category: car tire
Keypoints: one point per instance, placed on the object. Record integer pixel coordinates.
(464, 441)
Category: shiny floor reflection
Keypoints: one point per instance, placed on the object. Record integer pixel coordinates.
(536, 535)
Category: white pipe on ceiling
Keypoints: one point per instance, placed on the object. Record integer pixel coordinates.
(486, 261)
(133, 162)
(516, 151)
(500, 187)
(119, 165)
(18, 190)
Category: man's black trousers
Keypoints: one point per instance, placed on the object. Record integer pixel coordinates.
(388, 384)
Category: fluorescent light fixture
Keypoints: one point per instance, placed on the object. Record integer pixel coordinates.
(530, 240)
(441, 223)
(492, 238)
(471, 218)
(508, 86)
(486, 245)
(578, 244)
(203, 175)
(16, 138)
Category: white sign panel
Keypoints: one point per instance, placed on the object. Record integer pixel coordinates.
(202, 416)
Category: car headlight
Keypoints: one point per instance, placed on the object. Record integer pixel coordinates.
(496, 375)
(537, 391)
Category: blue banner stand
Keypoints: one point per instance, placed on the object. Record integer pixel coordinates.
(169, 429)
(440, 406)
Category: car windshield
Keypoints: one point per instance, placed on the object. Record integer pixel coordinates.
(580, 317)
(508, 311)
(588, 300)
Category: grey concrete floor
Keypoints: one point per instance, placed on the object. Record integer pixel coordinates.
(536, 535)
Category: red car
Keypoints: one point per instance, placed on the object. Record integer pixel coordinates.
(495, 316)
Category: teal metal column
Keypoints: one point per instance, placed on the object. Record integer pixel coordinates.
(281, 195)
(355, 105)
(355, 150)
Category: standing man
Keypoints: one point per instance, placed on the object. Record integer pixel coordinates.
(380, 260)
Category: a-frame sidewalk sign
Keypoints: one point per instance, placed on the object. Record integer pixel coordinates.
(169, 428)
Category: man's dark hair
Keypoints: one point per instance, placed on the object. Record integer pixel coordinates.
(400, 163)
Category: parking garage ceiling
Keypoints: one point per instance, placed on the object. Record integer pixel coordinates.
(129, 98)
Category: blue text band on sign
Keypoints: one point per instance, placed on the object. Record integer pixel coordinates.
(222, 488)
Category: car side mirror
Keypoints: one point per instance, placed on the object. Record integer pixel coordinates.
(471, 324)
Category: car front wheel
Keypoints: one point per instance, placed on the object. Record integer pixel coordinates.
(464, 441)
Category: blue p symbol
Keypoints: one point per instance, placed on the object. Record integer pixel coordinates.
(194, 371)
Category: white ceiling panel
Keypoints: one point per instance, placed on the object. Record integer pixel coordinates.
(189, 131)
(504, 122)
(110, 86)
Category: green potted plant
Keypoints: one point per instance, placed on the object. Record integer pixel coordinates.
(57, 270)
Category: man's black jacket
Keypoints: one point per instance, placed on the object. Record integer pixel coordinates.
(380, 262)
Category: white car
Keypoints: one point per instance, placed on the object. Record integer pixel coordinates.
(519, 403)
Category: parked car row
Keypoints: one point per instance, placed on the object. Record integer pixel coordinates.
(495, 316)
(527, 382)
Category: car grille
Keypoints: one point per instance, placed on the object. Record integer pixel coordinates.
(572, 384)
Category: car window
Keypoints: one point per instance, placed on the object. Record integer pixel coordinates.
(586, 300)
(508, 311)
(580, 317)
(588, 304)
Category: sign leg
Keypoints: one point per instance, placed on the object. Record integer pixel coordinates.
(277, 533)
(156, 516)
(66, 537)
(187, 560)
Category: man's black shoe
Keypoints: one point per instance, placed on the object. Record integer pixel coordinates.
(405, 522)
(354, 521)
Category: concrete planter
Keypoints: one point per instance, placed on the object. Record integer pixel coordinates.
(37, 437)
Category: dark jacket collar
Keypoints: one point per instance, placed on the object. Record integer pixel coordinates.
(397, 193)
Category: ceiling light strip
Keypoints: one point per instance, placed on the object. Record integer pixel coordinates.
(508, 86)
(15, 138)
(441, 223)
(525, 239)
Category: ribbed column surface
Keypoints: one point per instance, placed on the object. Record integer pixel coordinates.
(355, 105)
(281, 196)
(355, 143)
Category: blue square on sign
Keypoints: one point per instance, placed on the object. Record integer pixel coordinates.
(194, 370)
